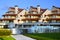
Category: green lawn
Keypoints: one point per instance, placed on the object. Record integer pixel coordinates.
(45, 36)
(6, 38)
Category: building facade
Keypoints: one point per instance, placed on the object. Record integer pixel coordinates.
(21, 20)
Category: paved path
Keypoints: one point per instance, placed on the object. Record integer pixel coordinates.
(21, 37)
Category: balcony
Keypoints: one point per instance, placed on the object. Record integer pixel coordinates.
(51, 23)
(24, 27)
(54, 10)
(54, 23)
(9, 14)
(52, 19)
(53, 14)
(2, 23)
(32, 14)
(30, 19)
(7, 19)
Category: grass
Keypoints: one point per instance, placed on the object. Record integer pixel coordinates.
(45, 36)
(6, 38)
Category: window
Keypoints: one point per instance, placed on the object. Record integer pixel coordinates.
(37, 21)
(18, 20)
(29, 16)
(20, 15)
(6, 26)
(58, 21)
(16, 25)
(58, 12)
(34, 13)
(49, 21)
(11, 12)
(54, 16)
(43, 20)
(44, 15)
(0, 20)
(53, 21)
(30, 21)
(10, 21)
(25, 21)
(32, 16)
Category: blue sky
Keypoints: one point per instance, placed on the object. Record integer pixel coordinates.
(5, 4)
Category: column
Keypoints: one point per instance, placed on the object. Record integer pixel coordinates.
(22, 26)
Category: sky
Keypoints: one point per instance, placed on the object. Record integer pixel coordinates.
(25, 4)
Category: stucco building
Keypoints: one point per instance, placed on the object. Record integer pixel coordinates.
(21, 20)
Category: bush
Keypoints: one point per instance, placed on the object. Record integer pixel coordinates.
(5, 32)
(1, 38)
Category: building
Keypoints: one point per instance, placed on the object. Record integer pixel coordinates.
(11, 18)
(53, 17)
(21, 20)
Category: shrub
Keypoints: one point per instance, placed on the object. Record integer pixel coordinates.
(1, 38)
(5, 32)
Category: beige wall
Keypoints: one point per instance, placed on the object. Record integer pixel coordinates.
(43, 17)
(53, 16)
(20, 17)
(9, 17)
(57, 16)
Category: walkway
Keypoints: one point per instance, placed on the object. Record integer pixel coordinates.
(21, 37)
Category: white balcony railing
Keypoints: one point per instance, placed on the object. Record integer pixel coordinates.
(24, 27)
(54, 23)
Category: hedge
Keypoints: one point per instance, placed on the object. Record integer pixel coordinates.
(5, 32)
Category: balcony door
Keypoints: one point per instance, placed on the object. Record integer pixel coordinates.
(6, 26)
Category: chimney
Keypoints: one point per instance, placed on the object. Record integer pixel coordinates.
(38, 8)
(16, 9)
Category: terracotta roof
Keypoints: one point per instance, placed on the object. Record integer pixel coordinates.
(53, 19)
(43, 10)
(19, 9)
(56, 7)
(53, 14)
(7, 19)
(54, 10)
(9, 14)
(35, 9)
(10, 11)
(30, 19)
